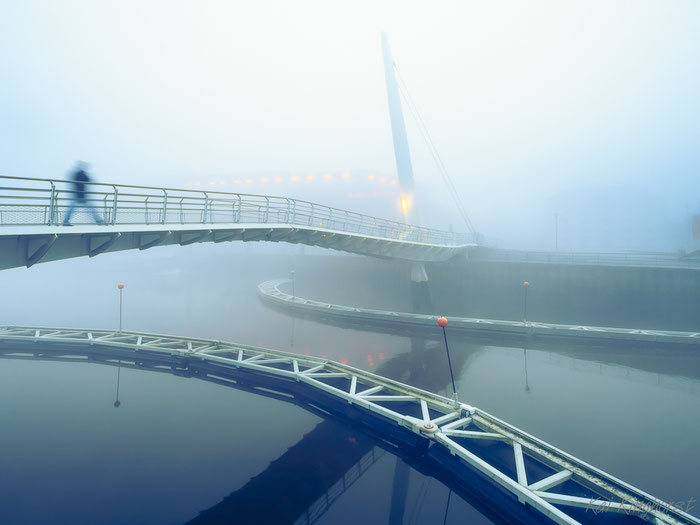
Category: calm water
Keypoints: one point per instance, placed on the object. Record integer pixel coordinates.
(177, 447)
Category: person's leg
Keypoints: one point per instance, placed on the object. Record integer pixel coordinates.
(95, 215)
(69, 213)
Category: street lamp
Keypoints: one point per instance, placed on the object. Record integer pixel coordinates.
(121, 290)
(526, 285)
(442, 323)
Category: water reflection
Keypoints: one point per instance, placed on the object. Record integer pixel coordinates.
(292, 486)
(597, 403)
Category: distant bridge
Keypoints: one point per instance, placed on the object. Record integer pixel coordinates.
(555, 485)
(488, 329)
(138, 217)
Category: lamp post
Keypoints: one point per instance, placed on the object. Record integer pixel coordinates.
(526, 285)
(442, 323)
(121, 290)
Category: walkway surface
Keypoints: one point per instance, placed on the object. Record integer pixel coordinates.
(270, 291)
(32, 212)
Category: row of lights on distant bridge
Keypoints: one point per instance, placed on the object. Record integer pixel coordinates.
(293, 178)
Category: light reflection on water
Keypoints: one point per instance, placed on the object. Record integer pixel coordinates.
(189, 443)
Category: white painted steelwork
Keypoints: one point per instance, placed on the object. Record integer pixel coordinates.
(32, 213)
(436, 419)
(270, 291)
(632, 260)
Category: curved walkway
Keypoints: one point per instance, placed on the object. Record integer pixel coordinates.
(32, 212)
(270, 292)
(554, 483)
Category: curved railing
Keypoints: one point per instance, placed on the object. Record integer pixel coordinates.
(499, 328)
(550, 481)
(30, 201)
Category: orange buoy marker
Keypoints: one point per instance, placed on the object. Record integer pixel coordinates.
(442, 323)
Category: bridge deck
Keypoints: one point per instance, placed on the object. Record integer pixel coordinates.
(32, 212)
(568, 486)
(270, 292)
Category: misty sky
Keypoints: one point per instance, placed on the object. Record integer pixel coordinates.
(585, 109)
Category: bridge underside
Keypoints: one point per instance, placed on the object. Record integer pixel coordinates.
(28, 245)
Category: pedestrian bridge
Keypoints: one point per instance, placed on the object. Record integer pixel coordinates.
(461, 439)
(138, 217)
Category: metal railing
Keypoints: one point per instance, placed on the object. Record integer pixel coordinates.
(31, 201)
(661, 260)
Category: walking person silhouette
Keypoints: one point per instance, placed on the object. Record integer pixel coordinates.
(80, 180)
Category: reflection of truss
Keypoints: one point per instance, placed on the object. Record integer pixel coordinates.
(319, 507)
(524, 466)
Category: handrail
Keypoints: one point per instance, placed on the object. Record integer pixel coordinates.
(23, 203)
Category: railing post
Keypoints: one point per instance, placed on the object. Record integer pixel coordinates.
(165, 206)
(267, 209)
(182, 213)
(206, 206)
(311, 217)
(145, 211)
(294, 212)
(114, 206)
(52, 203)
(240, 205)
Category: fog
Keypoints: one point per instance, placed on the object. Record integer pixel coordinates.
(585, 110)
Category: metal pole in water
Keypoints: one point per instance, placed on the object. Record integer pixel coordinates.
(442, 323)
(121, 289)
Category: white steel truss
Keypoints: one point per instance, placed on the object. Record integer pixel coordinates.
(439, 421)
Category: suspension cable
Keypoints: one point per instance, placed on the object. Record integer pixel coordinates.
(422, 128)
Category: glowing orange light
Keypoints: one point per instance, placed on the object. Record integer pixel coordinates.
(345, 361)
(392, 182)
(295, 178)
(309, 177)
(323, 235)
(346, 175)
(404, 204)
(222, 182)
(248, 181)
(442, 322)
(320, 223)
(237, 181)
(328, 176)
(383, 179)
(264, 179)
(370, 177)
(278, 179)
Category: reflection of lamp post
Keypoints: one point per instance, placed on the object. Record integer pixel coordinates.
(293, 273)
(527, 385)
(526, 285)
(442, 323)
(117, 403)
(121, 289)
